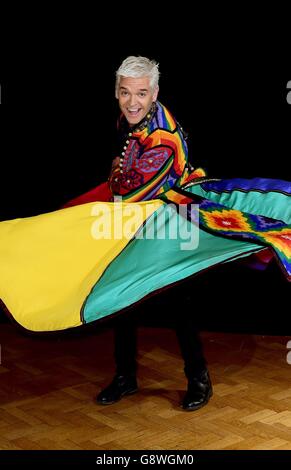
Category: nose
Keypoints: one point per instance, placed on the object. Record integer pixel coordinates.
(132, 100)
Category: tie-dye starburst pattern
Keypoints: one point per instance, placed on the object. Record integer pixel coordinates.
(229, 222)
(225, 220)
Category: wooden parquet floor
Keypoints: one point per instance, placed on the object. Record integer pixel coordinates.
(48, 387)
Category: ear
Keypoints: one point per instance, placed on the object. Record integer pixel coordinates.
(155, 94)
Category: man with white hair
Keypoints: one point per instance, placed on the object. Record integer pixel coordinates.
(153, 159)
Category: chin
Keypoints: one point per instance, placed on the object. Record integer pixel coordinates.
(133, 122)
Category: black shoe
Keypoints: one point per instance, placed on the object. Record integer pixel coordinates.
(121, 385)
(198, 393)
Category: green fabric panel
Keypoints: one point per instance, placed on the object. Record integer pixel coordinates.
(270, 204)
(148, 265)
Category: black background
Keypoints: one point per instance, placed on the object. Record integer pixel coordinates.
(224, 81)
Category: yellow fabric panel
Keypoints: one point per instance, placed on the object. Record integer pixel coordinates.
(49, 263)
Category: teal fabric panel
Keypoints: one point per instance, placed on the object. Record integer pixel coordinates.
(147, 265)
(269, 204)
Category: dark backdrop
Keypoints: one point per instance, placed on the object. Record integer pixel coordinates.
(229, 92)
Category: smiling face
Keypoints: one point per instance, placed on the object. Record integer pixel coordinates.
(135, 98)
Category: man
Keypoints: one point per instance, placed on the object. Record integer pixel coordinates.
(153, 158)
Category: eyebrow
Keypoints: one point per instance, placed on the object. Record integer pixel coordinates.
(141, 89)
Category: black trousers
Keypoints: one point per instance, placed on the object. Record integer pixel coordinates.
(125, 343)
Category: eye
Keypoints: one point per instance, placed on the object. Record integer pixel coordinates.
(142, 94)
(124, 93)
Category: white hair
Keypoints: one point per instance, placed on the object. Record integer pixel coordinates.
(138, 67)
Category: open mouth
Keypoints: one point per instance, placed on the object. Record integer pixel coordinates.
(133, 112)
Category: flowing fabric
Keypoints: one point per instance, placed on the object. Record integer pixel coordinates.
(95, 257)
(86, 262)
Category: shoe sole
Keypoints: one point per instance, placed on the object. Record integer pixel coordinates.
(131, 392)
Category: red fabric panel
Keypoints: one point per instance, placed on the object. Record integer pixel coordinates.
(100, 193)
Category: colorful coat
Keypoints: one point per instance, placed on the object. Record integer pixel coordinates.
(153, 157)
(89, 260)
